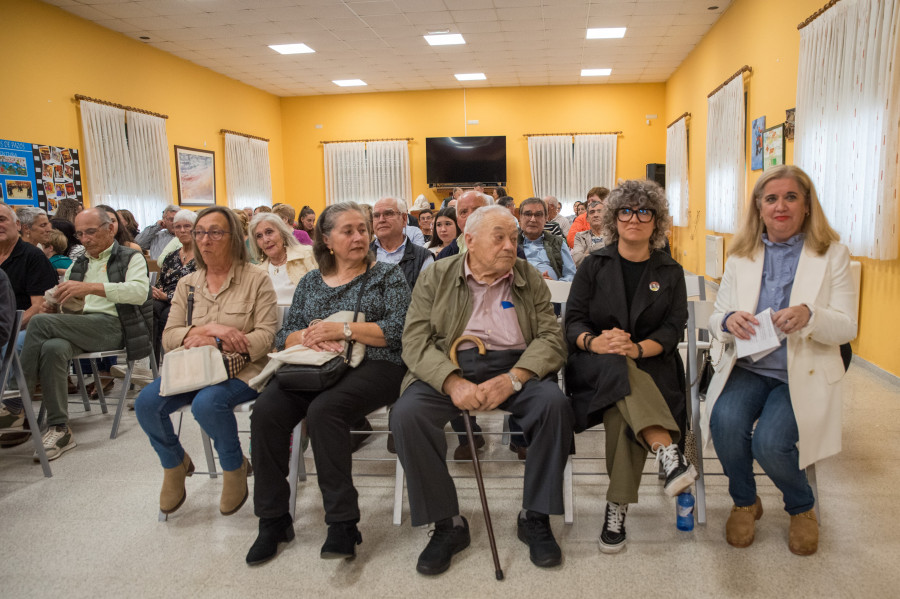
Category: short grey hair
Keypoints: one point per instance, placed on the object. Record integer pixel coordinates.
(185, 215)
(27, 215)
(400, 204)
(637, 194)
(15, 217)
(552, 199)
(527, 201)
(171, 208)
(476, 219)
(287, 235)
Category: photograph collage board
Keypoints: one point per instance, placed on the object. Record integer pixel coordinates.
(38, 175)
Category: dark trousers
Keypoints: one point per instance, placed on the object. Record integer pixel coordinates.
(417, 423)
(160, 318)
(371, 385)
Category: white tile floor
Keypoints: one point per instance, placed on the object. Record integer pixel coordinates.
(91, 530)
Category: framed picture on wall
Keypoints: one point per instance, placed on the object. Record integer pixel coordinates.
(196, 174)
(773, 146)
(756, 143)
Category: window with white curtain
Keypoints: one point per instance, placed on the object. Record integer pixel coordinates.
(847, 120)
(725, 161)
(677, 172)
(567, 169)
(126, 160)
(364, 172)
(248, 178)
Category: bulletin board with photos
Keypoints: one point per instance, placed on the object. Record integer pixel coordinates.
(38, 175)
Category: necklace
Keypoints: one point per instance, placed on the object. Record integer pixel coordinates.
(280, 264)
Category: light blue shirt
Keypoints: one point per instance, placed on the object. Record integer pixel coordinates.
(382, 255)
(536, 254)
(415, 235)
(779, 269)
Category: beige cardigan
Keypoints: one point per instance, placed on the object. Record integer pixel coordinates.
(246, 301)
(300, 260)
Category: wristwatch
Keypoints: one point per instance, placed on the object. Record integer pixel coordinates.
(516, 383)
(347, 332)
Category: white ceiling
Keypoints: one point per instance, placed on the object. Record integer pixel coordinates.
(514, 42)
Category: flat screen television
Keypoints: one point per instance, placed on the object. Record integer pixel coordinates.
(465, 160)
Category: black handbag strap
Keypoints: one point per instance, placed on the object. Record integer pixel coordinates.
(362, 289)
(190, 309)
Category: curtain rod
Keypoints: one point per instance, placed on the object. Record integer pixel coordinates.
(244, 135)
(685, 115)
(592, 133)
(817, 14)
(743, 69)
(347, 141)
(79, 97)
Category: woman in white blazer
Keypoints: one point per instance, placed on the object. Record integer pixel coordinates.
(785, 257)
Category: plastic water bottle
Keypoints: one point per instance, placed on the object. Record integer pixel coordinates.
(685, 511)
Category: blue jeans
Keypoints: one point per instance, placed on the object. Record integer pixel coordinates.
(747, 398)
(212, 407)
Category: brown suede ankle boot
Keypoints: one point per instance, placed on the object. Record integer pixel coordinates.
(234, 488)
(173, 492)
(804, 534)
(741, 525)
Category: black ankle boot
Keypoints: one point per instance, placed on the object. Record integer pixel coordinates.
(272, 531)
(343, 537)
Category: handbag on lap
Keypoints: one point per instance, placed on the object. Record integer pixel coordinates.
(184, 370)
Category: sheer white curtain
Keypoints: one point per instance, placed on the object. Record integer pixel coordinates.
(247, 175)
(677, 173)
(387, 171)
(107, 162)
(552, 166)
(151, 170)
(127, 166)
(848, 117)
(595, 165)
(345, 172)
(725, 162)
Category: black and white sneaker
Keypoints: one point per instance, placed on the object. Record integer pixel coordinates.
(612, 539)
(680, 473)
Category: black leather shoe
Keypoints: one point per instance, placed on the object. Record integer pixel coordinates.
(343, 537)
(521, 452)
(535, 531)
(356, 441)
(446, 541)
(272, 531)
(464, 452)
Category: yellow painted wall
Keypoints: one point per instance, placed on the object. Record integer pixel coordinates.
(51, 55)
(763, 34)
(500, 111)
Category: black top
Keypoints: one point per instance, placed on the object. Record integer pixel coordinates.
(30, 273)
(384, 302)
(7, 310)
(631, 276)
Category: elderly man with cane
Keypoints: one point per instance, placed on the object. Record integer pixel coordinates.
(489, 294)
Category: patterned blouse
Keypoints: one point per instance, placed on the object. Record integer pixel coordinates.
(384, 302)
(171, 271)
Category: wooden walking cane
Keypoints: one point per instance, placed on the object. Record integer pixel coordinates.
(498, 572)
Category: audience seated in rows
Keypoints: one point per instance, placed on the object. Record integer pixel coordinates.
(392, 242)
(108, 288)
(624, 369)
(525, 349)
(596, 194)
(446, 230)
(158, 235)
(592, 239)
(7, 311)
(276, 250)
(35, 226)
(345, 266)
(287, 214)
(176, 264)
(232, 306)
(553, 215)
(548, 253)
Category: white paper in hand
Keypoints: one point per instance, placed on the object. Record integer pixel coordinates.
(764, 341)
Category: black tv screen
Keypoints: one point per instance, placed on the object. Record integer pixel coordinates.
(466, 160)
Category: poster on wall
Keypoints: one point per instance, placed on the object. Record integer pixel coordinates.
(196, 175)
(38, 175)
(756, 154)
(773, 146)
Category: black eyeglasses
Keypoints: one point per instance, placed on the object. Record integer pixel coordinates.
(214, 234)
(644, 215)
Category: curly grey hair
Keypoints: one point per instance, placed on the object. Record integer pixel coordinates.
(637, 194)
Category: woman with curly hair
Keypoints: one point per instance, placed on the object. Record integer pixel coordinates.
(626, 313)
